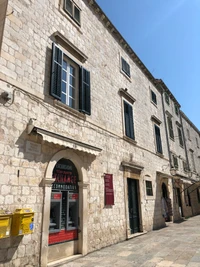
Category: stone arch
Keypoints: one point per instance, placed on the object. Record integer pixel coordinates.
(83, 187)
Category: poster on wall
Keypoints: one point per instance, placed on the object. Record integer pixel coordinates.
(109, 192)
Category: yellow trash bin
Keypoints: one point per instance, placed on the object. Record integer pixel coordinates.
(5, 223)
(22, 223)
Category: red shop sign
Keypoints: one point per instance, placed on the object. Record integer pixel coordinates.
(109, 192)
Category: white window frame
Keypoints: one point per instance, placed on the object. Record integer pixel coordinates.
(76, 67)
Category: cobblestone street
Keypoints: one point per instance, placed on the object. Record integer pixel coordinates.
(177, 245)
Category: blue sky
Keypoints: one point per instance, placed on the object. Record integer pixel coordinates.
(165, 34)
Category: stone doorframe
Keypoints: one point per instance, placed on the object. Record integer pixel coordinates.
(83, 206)
(133, 171)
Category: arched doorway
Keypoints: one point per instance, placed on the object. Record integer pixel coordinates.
(64, 212)
(60, 250)
(166, 204)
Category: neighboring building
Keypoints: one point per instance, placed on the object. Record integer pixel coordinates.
(192, 140)
(183, 146)
(82, 133)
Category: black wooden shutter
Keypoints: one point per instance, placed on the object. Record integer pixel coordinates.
(180, 137)
(158, 139)
(84, 92)
(56, 72)
(128, 117)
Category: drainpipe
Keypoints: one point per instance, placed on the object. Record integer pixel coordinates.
(165, 122)
(185, 147)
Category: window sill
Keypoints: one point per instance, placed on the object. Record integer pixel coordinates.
(154, 104)
(150, 198)
(181, 146)
(172, 139)
(130, 140)
(125, 75)
(78, 27)
(69, 110)
(160, 155)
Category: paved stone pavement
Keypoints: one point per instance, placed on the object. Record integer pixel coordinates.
(177, 245)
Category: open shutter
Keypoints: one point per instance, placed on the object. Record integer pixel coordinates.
(84, 92)
(128, 117)
(56, 73)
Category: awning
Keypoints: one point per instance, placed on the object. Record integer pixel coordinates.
(64, 141)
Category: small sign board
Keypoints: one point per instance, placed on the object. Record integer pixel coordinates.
(109, 192)
(33, 148)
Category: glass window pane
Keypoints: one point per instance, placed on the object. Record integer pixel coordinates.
(72, 70)
(72, 92)
(71, 102)
(63, 89)
(77, 14)
(71, 80)
(63, 98)
(64, 65)
(64, 75)
(68, 6)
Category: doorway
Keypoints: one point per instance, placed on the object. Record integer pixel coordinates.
(179, 201)
(133, 208)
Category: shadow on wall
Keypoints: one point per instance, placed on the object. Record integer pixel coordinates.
(8, 248)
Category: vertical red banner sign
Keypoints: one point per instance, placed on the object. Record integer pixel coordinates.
(109, 192)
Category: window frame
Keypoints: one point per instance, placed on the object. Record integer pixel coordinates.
(154, 97)
(83, 98)
(72, 14)
(167, 99)
(188, 134)
(158, 139)
(197, 142)
(128, 120)
(149, 188)
(170, 127)
(176, 109)
(76, 67)
(180, 136)
(126, 70)
(175, 162)
(193, 161)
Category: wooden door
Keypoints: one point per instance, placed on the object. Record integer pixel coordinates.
(133, 205)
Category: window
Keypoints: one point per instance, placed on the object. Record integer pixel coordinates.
(192, 160)
(73, 10)
(158, 139)
(188, 134)
(167, 98)
(176, 109)
(126, 67)
(153, 97)
(70, 83)
(197, 142)
(149, 189)
(175, 161)
(180, 136)
(170, 127)
(128, 120)
(185, 167)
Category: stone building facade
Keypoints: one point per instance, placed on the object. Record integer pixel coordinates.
(80, 114)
